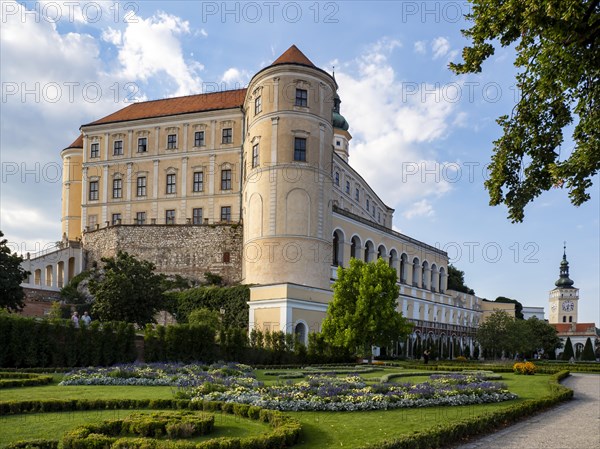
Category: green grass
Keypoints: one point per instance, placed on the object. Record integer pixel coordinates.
(53, 425)
(320, 429)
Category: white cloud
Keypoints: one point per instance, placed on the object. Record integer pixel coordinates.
(151, 47)
(393, 128)
(440, 47)
(419, 209)
(420, 47)
(234, 78)
(112, 36)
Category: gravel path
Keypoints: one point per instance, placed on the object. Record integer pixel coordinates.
(572, 425)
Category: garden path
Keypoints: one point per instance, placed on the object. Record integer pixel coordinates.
(572, 425)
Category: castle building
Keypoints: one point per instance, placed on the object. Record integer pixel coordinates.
(564, 306)
(255, 185)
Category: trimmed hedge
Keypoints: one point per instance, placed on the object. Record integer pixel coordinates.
(34, 444)
(9, 380)
(443, 435)
(28, 342)
(111, 432)
(285, 430)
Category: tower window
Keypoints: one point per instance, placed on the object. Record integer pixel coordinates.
(338, 143)
(198, 181)
(255, 156)
(172, 141)
(171, 183)
(300, 149)
(301, 97)
(118, 148)
(93, 195)
(564, 319)
(141, 186)
(227, 135)
(257, 105)
(199, 139)
(225, 179)
(95, 150)
(142, 144)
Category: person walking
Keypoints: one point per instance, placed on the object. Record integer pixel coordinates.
(75, 319)
(86, 318)
(426, 356)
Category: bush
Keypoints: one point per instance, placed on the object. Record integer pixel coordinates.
(524, 368)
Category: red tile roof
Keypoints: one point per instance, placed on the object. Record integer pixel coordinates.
(174, 106)
(78, 143)
(293, 55)
(580, 328)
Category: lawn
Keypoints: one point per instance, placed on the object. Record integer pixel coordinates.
(320, 429)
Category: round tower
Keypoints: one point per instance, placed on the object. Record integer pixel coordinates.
(287, 154)
(72, 159)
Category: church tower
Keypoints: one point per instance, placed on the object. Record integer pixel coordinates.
(564, 298)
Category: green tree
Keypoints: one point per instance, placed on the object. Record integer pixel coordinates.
(205, 317)
(494, 334)
(129, 290)
(456, 280)
(568, 353)
(363, 310)
(558, 58)
(588, 351)
(11, 276)
(518, 306)
(544, 336)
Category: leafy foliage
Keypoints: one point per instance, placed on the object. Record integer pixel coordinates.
(363, 310)
(568, 353)
(128, 291)
(456, 280)
(11, 276)
(588, 351)
(558, 57)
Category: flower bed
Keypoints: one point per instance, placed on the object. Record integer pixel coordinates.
(217, 376)
(327, 393)
(524, 368)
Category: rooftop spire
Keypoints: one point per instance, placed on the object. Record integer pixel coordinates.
(564, 281)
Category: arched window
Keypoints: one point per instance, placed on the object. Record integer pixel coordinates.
(416, 272)
(301, 333)
(441, 280)
(338, 242)
(564, 319)
(356, 244)
(403, 268)
(570, 319)
(425, 275)
(433, 284)
(369, 251)
(381, 252)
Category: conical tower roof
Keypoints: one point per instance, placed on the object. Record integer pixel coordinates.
(293, 55)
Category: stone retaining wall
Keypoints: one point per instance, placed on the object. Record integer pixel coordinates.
(187, 250)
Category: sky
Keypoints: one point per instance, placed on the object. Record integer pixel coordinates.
(422, 136)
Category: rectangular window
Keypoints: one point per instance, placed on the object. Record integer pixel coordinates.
(301, 97)
(92, 221)
(172, 141)
(348, 187)
(171, 183)
(299, 149)
(116, 219)
(337, 179)
(142, 144)
(170, 216)
(95, 150)
(227, 135)
(357, 194)
(338, 143)
(368, 205)
(198, 181)
(117, 188)
(118, 148)
(373, 211)
(93, 196)
(226, 213)
(379, 217)
(225, 179)
(197, 215)
(140, 218)
(257, 105)
(141, 186)
(199, 139)
(255, 156)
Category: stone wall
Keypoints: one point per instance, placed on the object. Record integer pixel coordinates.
(187, 250)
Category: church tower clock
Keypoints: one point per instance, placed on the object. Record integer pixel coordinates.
(564, 298)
